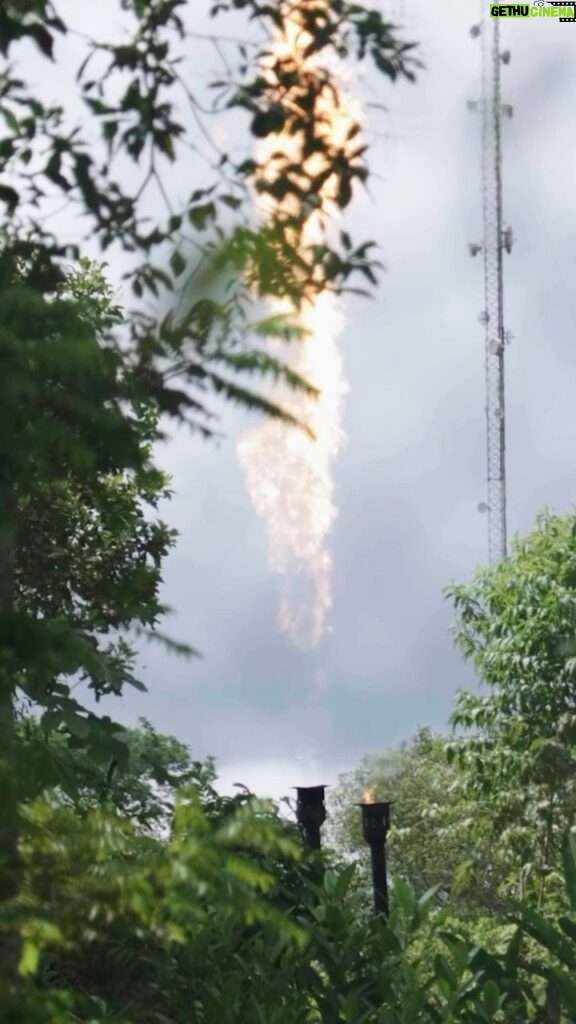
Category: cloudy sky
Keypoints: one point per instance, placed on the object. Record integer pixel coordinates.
(410, 479)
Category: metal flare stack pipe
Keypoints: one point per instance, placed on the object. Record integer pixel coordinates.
(375, 825)
(311, 813)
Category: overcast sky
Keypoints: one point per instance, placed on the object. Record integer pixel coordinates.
(413, 472)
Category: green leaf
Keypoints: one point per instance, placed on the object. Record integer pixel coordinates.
(345, 880)
(330, 883)
(137, 684)
(51, 719)
(444, 971)
(201, 216)
(11, 120)
(491, 998)
(511, 959)
(177, 263)
(110, 130)
(29, 957)
(232, 201)
(566, 986)
(10, 197)
(42, 38)
(549, 937)
(77, 725)
(568, 926)
(268, 122)
(425, 903)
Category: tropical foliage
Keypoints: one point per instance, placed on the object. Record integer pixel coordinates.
(516, 622)
(229, 918)
(438, 838)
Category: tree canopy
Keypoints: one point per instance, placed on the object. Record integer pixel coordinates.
(515, 621)
(437, 840)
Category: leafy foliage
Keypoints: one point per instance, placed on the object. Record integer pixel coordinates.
(118, 919)
(139, 102)
(516, 622)
(437, 840)
(227, 918)
(75, 458)
(230, 920)
(141, 786)
(87, 554)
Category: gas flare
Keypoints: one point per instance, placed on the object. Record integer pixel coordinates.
(368, 796)
(288, 475)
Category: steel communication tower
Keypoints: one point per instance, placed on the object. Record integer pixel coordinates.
(497, 238)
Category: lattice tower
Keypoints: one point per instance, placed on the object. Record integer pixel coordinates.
(497, 238)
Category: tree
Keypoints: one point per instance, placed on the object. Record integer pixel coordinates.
(89, 554)
(82, 557)
(432, 840)
(515, 622)
(142, 786)
(75, 462)
(140, 103)
(122, 925)
(131, 928)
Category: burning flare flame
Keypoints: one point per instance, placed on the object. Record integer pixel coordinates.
(288, 475)
(368, 796)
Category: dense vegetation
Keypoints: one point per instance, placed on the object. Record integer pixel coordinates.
(130, 891)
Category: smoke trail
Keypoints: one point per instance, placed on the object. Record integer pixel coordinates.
(289, 477)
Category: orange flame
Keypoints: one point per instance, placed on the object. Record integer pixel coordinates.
(368, 796)
(289, 477)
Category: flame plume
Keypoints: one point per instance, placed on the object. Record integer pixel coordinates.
(289, 477)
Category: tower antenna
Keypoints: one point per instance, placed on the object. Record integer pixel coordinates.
(497, 238)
